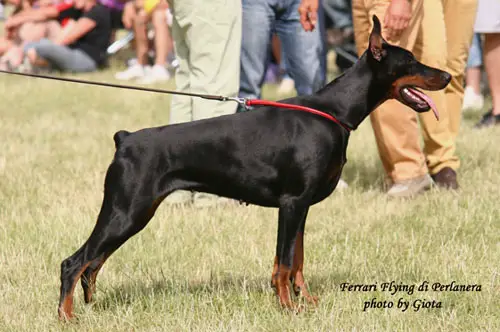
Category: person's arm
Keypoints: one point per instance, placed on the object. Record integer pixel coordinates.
(79, 29)
(128, 16)
(31, 15)
(397, 18)
(68, 26)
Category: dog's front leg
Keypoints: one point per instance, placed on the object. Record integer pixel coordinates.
(297, 276)
(291, 216)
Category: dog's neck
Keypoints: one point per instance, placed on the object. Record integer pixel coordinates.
(352, 96)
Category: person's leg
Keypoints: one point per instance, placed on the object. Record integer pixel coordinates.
(139, 27)
(257, 20)
(8, 50)
(459, 16)
(162, 36)
(322, 42)
(473, 97)
(473, 79)
(488, 24)
(302, 50)
(61, 57)
(339, 12)
(474, 64)
(159, 70)
(215, 44)
(439, 142)
(141, 38)
(32, 31)
(287, 84)
(180, 106)
(395, 126)
(28, 33)
(492, 66)
(208, 41)
(53, 29)
(5, 44)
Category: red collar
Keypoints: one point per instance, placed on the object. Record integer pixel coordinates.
(258, 102)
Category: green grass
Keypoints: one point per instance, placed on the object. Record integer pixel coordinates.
(209, 270)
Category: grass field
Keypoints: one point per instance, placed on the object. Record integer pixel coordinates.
(209, 270)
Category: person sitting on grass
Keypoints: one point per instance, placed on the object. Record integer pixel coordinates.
(136, 18)
(19, 30)
(80, 47)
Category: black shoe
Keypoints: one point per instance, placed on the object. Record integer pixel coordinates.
(446, 178)
(488, 120)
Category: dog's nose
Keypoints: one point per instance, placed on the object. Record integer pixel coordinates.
(445, 76)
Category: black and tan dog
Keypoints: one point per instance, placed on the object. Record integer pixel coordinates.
(269, 157)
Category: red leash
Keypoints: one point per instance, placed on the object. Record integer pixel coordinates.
(258, 102)
(242, 101)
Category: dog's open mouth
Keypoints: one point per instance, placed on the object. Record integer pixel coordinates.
(418, 100)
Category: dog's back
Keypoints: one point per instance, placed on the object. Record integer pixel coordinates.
(252, 156)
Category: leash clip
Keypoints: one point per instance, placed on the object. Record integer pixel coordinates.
(241, 101)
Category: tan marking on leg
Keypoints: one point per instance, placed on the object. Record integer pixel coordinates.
(283, 286)
(66, 308)
(274, 276)
(296, 274)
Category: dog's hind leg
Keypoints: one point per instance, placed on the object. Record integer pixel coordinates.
(291, 215)
(123, 214)
(89, 276)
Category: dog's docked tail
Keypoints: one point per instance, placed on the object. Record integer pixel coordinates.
(119, 137)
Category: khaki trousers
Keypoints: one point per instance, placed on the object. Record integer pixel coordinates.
(207, 41)
(434, 44)
(459, 17)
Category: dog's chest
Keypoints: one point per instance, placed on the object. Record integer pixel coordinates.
(329, 181)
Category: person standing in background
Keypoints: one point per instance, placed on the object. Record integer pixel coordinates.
(207, 42)
(423, 27)
(488, 24)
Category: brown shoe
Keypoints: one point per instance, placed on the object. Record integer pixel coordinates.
(446, 178)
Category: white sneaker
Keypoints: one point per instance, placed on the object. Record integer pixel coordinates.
(472, 101)
(286, 86)
(411, 187)
(157, 73)
(132, 72)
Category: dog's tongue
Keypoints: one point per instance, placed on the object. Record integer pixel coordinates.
(428, 100)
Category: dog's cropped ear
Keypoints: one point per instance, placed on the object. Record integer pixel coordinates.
(376, 40)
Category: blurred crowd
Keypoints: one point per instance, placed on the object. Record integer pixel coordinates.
(233, 47)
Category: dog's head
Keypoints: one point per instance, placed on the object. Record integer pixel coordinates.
(397, 68)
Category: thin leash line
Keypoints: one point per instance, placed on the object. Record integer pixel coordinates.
(242, 101)
(129, 87)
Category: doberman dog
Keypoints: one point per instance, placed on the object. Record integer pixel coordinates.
(270, 157)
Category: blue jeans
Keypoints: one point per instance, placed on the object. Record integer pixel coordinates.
(302, 50)
(339, 12)
(63, 57)
(323, 50)
(475, 52)
(283, 65)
